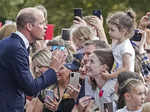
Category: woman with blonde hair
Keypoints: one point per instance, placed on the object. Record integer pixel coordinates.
(40, 63)
(7, 29)
(79, 35)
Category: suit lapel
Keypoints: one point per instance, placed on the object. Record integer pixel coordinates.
(14, 35)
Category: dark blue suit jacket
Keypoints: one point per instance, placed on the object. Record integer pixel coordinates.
(15, 76)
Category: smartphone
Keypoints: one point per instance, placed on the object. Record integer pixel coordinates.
(65, 34)
(74, 79)
(97, 13)
(78, 12)
(49, 94)
(108, 107)
(137, 36)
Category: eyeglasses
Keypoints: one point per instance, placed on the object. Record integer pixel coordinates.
(57, 47)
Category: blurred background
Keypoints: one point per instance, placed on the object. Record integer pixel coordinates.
(60, 12)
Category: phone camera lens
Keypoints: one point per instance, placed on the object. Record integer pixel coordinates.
(72, 74)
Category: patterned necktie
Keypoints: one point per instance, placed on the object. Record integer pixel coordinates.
(28, 50)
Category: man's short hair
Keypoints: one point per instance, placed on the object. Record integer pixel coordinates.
(25, 16)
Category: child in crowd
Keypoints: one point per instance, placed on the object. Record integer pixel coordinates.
(121, 28)
(123, 76)
(133, 92)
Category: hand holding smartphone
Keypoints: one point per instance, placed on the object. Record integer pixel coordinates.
(78, 12)
(74, 79)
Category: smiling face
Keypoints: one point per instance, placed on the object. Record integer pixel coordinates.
(87, 51)
(63, 74)
(93, 65)
(95, 68)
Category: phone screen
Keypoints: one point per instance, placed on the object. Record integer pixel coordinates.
(74, 79)
(65, 33)
(49, 94)
(78, 12)
(97, 13)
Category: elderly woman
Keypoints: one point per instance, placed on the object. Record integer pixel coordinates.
(52, 96)
(40, 63)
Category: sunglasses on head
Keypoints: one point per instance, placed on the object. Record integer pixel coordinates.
(57, 47)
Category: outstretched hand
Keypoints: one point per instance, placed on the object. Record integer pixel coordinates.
(79, 21)
(58, 59)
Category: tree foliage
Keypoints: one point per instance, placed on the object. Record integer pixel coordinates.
(60, 12)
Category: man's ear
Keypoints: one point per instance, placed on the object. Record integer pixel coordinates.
(29, 26)
(124, 32)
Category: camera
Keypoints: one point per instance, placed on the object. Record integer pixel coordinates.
(137, 36)
(97, 13)
(65, 33)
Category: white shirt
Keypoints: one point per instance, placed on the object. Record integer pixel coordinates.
(119, 50)
(25, 40)
(94, 93)
(126, 110)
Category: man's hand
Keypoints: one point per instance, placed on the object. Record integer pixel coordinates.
(58, 58)
(85, 104)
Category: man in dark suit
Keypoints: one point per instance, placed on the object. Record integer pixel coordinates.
(16, 80)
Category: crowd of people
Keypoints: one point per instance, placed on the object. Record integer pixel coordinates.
(84, 73)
